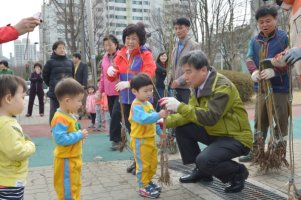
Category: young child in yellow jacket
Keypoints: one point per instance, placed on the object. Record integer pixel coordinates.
(143, 120)
(15, 147)
(68, 139)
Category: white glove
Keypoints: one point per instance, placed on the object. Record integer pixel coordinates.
(267, 74)
(255, 76)
(111, 71)
(170, 103)
(122, 85)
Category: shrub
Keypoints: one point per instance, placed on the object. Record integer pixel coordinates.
(242, 81)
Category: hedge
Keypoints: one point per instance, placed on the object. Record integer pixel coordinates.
(242, 81)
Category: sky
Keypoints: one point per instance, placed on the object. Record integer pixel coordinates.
(12, 11)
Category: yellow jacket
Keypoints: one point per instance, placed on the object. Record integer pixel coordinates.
(15, 149)
(143, 120)
(67, 135)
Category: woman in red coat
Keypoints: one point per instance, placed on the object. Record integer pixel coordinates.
(132, 59)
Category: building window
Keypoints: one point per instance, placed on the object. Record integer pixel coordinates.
(137, 18)
(120, 9)
(120, 1)
(137, 10)
(146, 18)
(120, 25)
(137, 2)
(146, 10)
(120, 17)
(146, 2)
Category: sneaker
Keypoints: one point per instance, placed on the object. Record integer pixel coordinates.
(157, 187)
(134, 171)
(28, 115)
(92, 126)
(149, 192)
(131, 167)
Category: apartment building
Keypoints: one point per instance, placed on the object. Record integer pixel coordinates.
(24, 52)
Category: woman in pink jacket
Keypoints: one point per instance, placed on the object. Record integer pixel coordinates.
(111, 46)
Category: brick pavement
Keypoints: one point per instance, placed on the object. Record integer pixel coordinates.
(101, 180)
(108, 180)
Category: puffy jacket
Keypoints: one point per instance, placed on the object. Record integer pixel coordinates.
(8, 33)
(106, 86)
(36, 82)
(6, 71)
(91, 103)
(141, 61)
(274, 44)
(15, 149)
(55, 69)
(218, 109)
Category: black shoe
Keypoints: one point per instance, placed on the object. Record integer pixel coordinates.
(134, 171)
(115, 146)
(195, 176)
(247, 158)
(238, 182)
(131, 167)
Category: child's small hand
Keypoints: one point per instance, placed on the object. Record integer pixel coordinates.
(163, 113)
(85, 133)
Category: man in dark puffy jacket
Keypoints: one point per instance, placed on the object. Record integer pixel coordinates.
(58, 67)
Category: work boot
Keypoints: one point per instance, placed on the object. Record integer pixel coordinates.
(195, 176)
(247, 158)
(237, 184)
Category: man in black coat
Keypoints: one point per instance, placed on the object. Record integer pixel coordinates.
(80, 70)
(55, 69)
(81, 75)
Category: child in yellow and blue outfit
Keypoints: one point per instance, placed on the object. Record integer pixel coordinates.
(143, 120)
(68, 139)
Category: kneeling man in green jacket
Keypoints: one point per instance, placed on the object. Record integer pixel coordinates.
(214, 116)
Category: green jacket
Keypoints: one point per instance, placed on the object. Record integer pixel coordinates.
(6, 71)
(218, 109)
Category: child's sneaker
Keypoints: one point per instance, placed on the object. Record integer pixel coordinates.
(91, 126)
(149, 192)
(155, 186)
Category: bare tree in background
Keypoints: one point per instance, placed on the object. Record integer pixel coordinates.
(161, 21)
(71, 15)
(235, 34)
